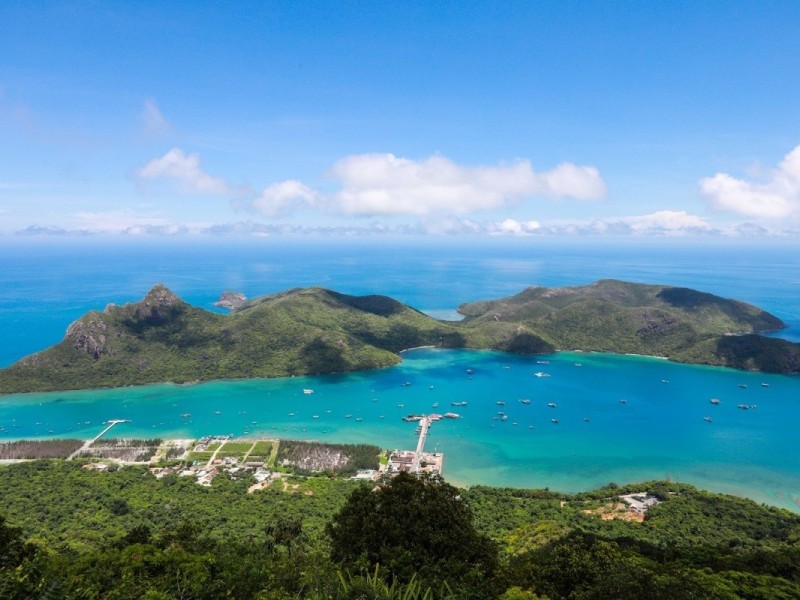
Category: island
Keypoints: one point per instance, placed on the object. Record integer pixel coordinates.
(308, 331)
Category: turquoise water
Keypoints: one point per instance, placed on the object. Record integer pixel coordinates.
(658, 433)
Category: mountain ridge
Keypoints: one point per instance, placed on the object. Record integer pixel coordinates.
(308, 331)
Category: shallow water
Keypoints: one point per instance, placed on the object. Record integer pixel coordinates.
(659, 432)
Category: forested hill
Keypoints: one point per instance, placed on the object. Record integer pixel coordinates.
(681, 324)
(313, 330)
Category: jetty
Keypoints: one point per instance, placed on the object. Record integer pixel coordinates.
(417, 461)
(88, 443)
(424, 425)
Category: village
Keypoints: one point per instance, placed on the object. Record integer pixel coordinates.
(264, 459)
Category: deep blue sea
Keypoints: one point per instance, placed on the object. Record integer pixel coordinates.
(659, 432)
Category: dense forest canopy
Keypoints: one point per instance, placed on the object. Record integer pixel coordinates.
(71, 533)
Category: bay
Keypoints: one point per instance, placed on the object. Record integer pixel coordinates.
(658, 433)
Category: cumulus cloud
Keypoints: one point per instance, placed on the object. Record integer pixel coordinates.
(282, 198)
(185, 171)
(154, 124)
(777, 197)
(384, 184)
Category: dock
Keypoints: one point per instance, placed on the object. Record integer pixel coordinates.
(424, 425)
(88, 444)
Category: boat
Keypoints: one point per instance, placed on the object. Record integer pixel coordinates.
(405, 384)
(315, 416)
(463, 403)
(707, 419)
(541, 374)
(578, 364)
(743, 406)
(470, 371)
(291, 414)
(348, 416)
(452, 415)
(585, 419)
(504, 417)
(542, 362)
(743, 386)
(308, 391)
(551, 404)
(714, 401)
(435, 417)
(500, 413)
(554, 421)
(500, 403)
(359, 419)
(400, 405)
(524, 400)
(409, 418)
(623, 401)
(764, 385)
(435, 405)
(665, 381)
(186, 415)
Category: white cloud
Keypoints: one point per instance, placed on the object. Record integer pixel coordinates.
(186, 172)
(282, 198)
(154, 124)
(777, 197)
(384, 184)
(667, 222)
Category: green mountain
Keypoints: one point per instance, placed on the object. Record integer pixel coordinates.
(682, 324)
(313, 330)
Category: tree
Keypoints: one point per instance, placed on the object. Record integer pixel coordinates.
(414, 527)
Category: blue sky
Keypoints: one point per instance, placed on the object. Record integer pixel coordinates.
(515, 118)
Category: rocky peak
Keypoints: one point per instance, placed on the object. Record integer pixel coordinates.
(159, 303)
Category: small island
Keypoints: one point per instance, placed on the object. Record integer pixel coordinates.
(308, 331)
(230, 300)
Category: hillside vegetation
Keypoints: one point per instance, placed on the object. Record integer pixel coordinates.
(314, 330)
(66, 532)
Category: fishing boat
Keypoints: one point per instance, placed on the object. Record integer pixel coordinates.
(308, 391)
(551, 404)
(524, 400)
(470, 371)
(585, 419)
(743, 386)
(764, 385)
(623, 401)
(452, 415)
(743, 406)
(707, 419)
(541, 374)
(463, 403)
(554, 421)
(500, 403)
(714, 401)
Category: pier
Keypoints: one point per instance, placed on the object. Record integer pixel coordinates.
(424, 425)
(88, 444)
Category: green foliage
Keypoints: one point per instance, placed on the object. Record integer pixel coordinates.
(414, 527)
(75, 534)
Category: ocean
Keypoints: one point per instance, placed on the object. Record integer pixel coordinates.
(660, 431)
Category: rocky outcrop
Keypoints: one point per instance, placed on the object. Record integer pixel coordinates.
(89, 335)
